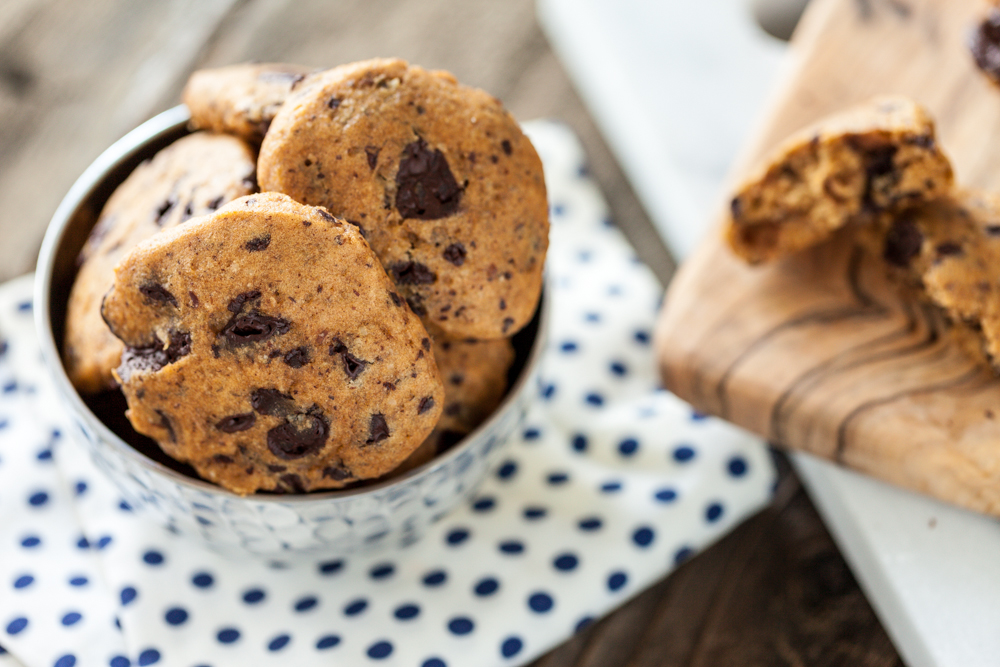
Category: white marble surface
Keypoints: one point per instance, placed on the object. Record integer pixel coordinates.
(675, 87)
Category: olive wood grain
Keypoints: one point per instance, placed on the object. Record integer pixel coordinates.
(821, 351)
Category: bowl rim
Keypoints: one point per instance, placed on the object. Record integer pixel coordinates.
(163, 123)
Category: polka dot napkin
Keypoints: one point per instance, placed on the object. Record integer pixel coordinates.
(610, 485)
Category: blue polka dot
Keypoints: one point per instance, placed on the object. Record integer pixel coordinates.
(579, 442)
(128, 594)
(531, 434)
(46, 455)
(594, 399)
(590, 523)
(380, 650)
(382, 571)
(253, 596)
(665, 495)
(643, 536)
(124, 506)
(30, 541)
(152, 558)
(611, 487)
(737, 466)
(557, 478)
(512, 546)
(698, 416)
(583, 624)
(72, 618)
(615, 290)
(120, 661)
(331, 567)
(406, 612)
(507, 470)
(565, 562)
(278, 643)
(568, 347)
(10, 387)
(457, 536)
(83, 543)
(511, 647)
(104, 541)
(484, 504)
(592, 317)
(24, 307)
(713, 512)
(540, 602)
(17, 625)
(683, 554)
(38, 499)
(584, 256)
(356, 607)
(628, 447)
(175, 616)
(306, 603)
(149, 657)
(534, 512)
(641, 337)
(548, 391)
(683, 453)
(67, 660)
(228, 635)
(433, 662)
(80, 488)
(618, 368)
(487, 586)
(202, 580)
(327, 641)
(558, 209)
(435, 578)
(461, 625)
(79, 581)
(24, 581)
(616, 580)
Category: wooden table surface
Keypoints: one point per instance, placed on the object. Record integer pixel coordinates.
(75, 76)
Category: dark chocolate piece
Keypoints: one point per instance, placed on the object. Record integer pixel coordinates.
(425, 186)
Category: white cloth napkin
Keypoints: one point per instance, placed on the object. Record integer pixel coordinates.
(610, 485)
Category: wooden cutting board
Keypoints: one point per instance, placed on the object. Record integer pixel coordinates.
(819, 352)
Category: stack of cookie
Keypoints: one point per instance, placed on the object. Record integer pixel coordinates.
(353, 317)
(877, 170)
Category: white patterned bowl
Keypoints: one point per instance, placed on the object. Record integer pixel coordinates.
(386, 514)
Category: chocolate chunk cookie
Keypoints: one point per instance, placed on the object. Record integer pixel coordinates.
(950, 249)
(266, 346)
(437, 176)
(847, 168)
(475, 381)
(240, 99)
(191, 177)
(984, 43)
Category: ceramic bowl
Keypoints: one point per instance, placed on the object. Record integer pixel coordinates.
(383, 514)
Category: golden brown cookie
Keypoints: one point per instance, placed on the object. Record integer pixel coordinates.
(848, 167)
(950, 248)
(240, 99)
(440, 179)
(266, 347)
(193, 176)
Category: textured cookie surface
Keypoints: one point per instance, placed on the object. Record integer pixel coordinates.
(240, 99)
(951, 250)
(267, 348)
(847, 168)
(448, 191)
(192, 177)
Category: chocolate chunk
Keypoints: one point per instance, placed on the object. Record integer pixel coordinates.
(395, 299)
(878, 161)
(334, 103)
(984, 43)
(223, 459)
(236, 305)
(507, 322)
(246, 328)
(166, 423)
(215, 203)
(159, 293)
(326, 215)
(993, 230)
(250, 183)
(455, 253)
(426, 343)
(425, 186)
(271, 402)
(194, 299)
(236, 423)
(352, 365)
(505, 145)
(276, 468)
(457, 379)
(948, 248)
(416, 304)
(163, 209)
(736, 207)
(903, 242)
(336, 473)
(301, 435)
(298, 357)
(371, 152)
(378, 430)
(258, 244)
(291, 483)
(426, 403)
(412, 273)
(154, 357)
